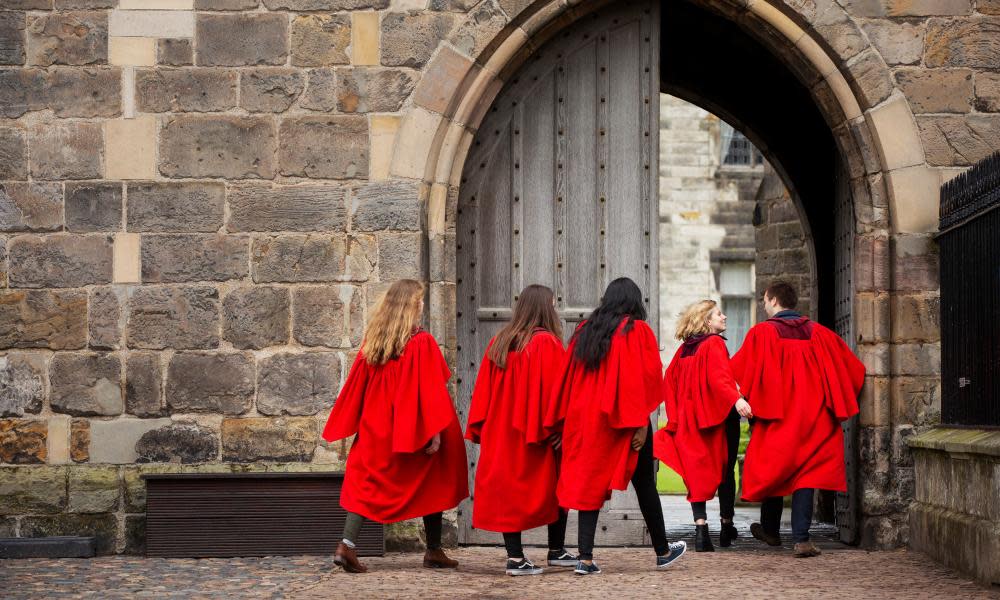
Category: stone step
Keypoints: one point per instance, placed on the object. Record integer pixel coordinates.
(48, 547)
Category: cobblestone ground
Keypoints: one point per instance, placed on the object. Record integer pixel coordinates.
(627, 574)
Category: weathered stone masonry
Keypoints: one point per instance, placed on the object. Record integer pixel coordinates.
(200, 198)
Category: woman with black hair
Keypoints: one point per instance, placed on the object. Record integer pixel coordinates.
(610, 386)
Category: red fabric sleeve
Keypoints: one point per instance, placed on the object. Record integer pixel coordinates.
(422, 406)
(843, 374)
(481, 397)
(634, 380)
(555, 412)
(670, 392)
(756, 368)
(346, 414)
(546, 356)
(721, 393)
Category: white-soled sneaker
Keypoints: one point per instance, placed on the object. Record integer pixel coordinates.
(677, 549)
(522, 567)
(561, 558)
(583, 568)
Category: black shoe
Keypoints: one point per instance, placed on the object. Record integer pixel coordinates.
(583, 568)
(561, 558)
(771, 539)
(702, 539)
(728, 534)
(522, 567)
(676, 550)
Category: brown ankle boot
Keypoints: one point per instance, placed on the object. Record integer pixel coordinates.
(806, 550)
(437, 559)
(347, 558)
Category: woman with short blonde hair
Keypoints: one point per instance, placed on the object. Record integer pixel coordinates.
(703, 406)
(408, 457)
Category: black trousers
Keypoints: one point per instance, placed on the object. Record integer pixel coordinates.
(644, 483)
(727, 489)
(557, 537)
(802, 514)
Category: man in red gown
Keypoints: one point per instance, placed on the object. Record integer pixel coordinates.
(802, 381)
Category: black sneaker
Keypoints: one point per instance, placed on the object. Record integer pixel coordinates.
(522, 567)
(583, 568)
(677, 549)
(561, 558)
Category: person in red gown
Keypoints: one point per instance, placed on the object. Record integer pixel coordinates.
(408, 456)
(610, 386)
(802, 381)
(518, 465)
(703, 408)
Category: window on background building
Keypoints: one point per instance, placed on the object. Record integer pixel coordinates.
(737, 151)
(736, 288)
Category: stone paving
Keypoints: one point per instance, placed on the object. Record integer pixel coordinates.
(628, 573)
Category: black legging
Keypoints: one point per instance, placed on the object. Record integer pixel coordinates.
(644, 482)
(727, 489)
(557, 537)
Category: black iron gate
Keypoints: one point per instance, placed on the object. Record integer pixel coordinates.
(970, 296)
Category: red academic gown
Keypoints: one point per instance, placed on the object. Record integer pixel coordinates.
(801, 381)
(599, 410)
(396, 408)
(517, 471)
(699, 392)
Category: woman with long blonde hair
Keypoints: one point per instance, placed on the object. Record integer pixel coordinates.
(517, 470)
(704, 406)
(408, 457)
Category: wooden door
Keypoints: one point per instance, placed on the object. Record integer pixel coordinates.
(560, 189)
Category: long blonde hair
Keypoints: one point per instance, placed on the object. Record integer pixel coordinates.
(694, 319)
(393, 321)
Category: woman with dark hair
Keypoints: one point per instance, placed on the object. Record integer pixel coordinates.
(518, 465)
(610, 386)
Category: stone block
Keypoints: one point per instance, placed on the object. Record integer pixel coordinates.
(130, 148)
(365, 46)
(256, 317)
(915, 259)
(444, 74)
(135, 535)
(269, 439)
(184, 443)
(409, 39)
(156, 4)
(837, 29)
(57, 441)
(86, 384)
(103, 527)
(79, 440)
(325, 5)
(225, 4)
(230, 147)
(916, 318)
(241, 39)
(69, 38)
(56, 320)
(38, 490)
(959, 141)
(973, 42)
(324, 147)
(194, 257)
(270, 90)
(382, 137)
(185, 90)
(13, 153)
(263, 207)
(143, 384)
(312, 258)
(363, 90)
(907, 8)
(917, 400)
(181, 317)
(152, 23)
(126, 267)
(479, 28)
(875, 402)
(132, 51)
(442, 325)
(442, 257)
(93, 489)
(414, 143)
(987, 91)
(114, 442)
(59, 261)
(937, 90)
(330, 316)
(22, 383)
(93, 206)
(66, 150)
(84, 92)
(176, 207)
(174, 52)
(390, 205)
(298, 384)
(899, 43)
(32, 206)
(916, 359)
(12, 38)
(23, 441)
(321, 39)
(213, 383)
(105, 330)
(321, 90)
(21, 90)
(870, 78)
(401, 256)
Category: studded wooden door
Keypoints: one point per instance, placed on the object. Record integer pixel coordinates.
(560, 189)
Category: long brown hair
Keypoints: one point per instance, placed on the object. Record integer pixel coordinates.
(533, 310)
(393, 321)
